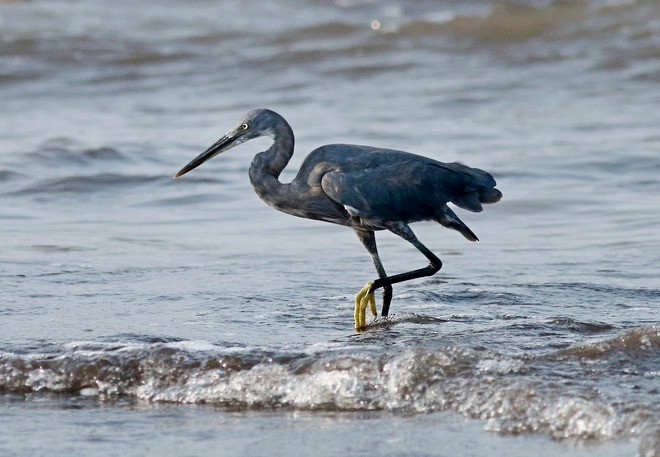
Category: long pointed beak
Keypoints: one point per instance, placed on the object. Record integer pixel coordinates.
(224, 143)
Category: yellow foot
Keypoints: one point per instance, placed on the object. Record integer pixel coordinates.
(363, 299)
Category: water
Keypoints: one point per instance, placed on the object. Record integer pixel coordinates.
(142, 315)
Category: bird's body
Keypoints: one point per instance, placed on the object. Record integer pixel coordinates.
(367, 188)
(362, 187)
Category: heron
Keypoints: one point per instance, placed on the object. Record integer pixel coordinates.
(365, 188)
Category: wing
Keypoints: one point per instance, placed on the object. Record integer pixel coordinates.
(404, 187)
(388, 192)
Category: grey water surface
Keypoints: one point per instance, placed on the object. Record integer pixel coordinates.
(145, 316)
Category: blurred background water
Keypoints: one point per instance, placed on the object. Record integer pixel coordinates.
(142, 315)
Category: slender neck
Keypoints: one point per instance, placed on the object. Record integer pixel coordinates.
(266, 166)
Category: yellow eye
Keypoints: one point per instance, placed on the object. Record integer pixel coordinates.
(245, 126)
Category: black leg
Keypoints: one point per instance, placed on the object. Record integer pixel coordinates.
(434, 262)
(387, 299)
(368, 239)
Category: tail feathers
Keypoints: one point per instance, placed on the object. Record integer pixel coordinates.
(472, 200)
(489, 195)
(469, 201)
(477, 187)
(449, 219)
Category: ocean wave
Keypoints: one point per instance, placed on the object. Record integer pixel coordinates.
(641, 340)
(85, 185)
(513, 394)
(63, 166)
(502, 21)
(505, 22)
(65, 151)
(352, 40)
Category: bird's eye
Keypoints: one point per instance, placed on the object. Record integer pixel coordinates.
(245, 126)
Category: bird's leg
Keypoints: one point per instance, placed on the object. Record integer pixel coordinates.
(366, 297)
(434, 266)
(387, 298)
(387, 289)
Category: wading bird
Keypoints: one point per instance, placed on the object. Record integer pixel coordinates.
(362, 187)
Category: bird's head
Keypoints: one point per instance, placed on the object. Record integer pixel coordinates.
(253, 124)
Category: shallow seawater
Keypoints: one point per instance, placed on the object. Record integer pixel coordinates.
(142, 315)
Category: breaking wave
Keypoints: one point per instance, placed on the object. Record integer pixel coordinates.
(513, 394)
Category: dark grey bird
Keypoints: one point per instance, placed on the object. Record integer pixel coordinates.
(362, 187)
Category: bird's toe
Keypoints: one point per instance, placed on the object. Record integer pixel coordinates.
(364, 298)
